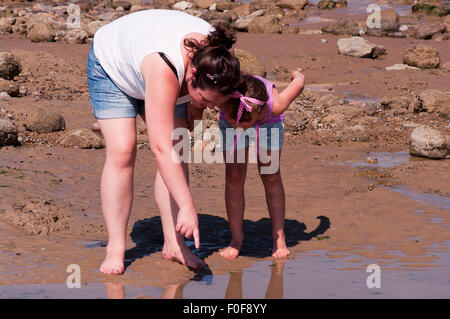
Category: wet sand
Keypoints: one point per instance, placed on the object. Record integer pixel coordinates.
(342, 214)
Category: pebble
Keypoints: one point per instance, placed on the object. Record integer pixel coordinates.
(371, 160)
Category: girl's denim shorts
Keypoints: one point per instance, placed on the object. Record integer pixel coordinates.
(271, 136)
(108, 101)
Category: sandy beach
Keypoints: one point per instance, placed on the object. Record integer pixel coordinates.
(343, 212)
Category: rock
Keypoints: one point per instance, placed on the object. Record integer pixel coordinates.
(399, 67)
(335, 120)
(356, 133)
(9, 66)
(287, 29)
(422, 56)
(225, 5)
(427, 142)
(223, 17)
(242, 24)
(275, 11)
(447, 23)
(426, 31)
(82, 138)
(136, 8)
(326, 4)
(265, 24)
(243, 10)
(292, 4)
(10, 87)
(121, 4)
(327, 101)
(296, 121)
(76, 36)
(110, 16)
(95, 127)
(182, 5)
(93, 26)
(44, 121)
(8, 133)
(359, 47)
(435, 101)
(203, 4)
(249, 63)
(446, 67)
(43, 27)
(6, 25)
(401, 104)
(430, 9)
(4, 96)
(343, 25)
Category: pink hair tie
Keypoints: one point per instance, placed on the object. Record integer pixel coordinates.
(243, 104)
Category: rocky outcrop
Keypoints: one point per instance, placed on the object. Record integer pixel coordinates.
(44, 121)
(81, 138)
(9, 66)
(249, 63)
(422, 56)
(359, 47)
(8, 133)
(427, 142)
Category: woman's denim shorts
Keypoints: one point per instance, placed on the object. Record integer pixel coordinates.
(108, 101)
(271, 136)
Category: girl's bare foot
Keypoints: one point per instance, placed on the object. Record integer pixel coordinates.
(183, 255)
(113, 263)
(280, 249)
(232, 251)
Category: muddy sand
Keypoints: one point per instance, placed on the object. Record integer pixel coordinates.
(342, 213)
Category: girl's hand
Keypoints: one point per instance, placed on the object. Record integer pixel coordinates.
(187, 224)
(296, 75)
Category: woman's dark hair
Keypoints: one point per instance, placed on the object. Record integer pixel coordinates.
(249, 87)
(216, 67)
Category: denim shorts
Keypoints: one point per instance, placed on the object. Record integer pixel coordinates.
(108, 101)
(271, 136)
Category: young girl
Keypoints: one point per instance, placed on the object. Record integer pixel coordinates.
(257, 105)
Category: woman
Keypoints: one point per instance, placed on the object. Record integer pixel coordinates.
(152, 62)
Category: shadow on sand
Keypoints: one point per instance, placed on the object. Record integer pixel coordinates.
(215, 234)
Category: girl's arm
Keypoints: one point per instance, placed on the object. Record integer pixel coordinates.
(281, 101)
(161, 92)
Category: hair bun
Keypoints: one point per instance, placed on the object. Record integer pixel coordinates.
(222, 35)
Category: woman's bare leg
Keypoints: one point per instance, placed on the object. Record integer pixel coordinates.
(174, 246)
(117, 188)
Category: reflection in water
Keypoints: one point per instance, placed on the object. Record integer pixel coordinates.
(233, 291)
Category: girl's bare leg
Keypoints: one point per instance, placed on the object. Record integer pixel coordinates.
(235, 174)
(117, 188)
(276, 203)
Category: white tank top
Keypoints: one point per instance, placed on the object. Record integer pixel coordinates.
(122, 45)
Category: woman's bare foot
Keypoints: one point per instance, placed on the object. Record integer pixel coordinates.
(183, 255)
(113, 263)
(280, 249)
(232, 251)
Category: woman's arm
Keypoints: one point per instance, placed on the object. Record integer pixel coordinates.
(161, 92)
(281, 101)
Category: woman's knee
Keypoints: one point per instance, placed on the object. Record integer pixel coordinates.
(121, 155)
(236, 174)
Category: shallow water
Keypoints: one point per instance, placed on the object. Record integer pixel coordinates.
(313, 275)
(384, 159)
(435, 200)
